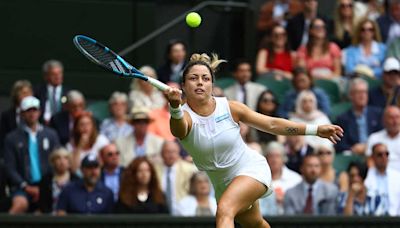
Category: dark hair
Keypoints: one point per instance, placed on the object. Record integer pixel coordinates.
(361, 167)
(267, 43)
(76, 135)
(129, 184)
(308, 156)
(301, 70)
(239, 62)
(275, 101)
(376, 145)
(172, 43)
(311, 40)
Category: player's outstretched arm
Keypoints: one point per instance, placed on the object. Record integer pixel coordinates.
(280, 126)
(180, 121)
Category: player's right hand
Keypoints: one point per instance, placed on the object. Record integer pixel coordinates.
(174, 96)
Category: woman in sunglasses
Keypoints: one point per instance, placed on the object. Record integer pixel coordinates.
(345, 21)
(366, 51)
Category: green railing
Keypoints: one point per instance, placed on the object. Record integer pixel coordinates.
(161, 221)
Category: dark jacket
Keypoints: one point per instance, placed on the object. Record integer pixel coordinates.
(16, 153)
(46, 191)
(147, 207)
(384, 22)
(41, 93)
(60, 123)
(348, 122)
(164, 72)
(7, 124)
(295, 29)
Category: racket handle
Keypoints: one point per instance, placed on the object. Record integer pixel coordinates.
(156, 83)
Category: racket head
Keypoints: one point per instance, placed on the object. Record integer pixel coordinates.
(105, 57)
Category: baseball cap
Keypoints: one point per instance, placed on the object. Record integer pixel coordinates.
(29, 102)
(391, 64)
(90, 161)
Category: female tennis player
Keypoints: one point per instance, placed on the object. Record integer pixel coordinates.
(208, 128)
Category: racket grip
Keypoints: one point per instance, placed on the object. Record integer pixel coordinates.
(156, 83)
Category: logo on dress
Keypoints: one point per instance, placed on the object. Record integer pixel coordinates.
(221, 118)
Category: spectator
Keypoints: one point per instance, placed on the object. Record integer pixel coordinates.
(307, 112)
(10, 119)
(140, 142)
(55, 181)
(296, 149)
(63, 121)
(390, 136)
(116, 126)
(274, 56)
(86, 196)
(218, 91)
(303, 81)
(389, 22)
(355, 201)
(140, 191)
(174, 174)
(326, 154)
(366, 51)
(26, 153)
(111, 172)
(267, 104)
(244, 90)
(320, 57)
(85, 139)
(51, 93)
(143, 94)
(175, 62)
(371, 9)
(198, 202)
(160, 119)
(345, 21)
(383, 182)
(297, 26)
(282, 177)
(384, 94)
(360, 121)
(393, 49)
(312, 196)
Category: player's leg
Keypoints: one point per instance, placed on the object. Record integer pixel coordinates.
(241, 193)
(252, 217)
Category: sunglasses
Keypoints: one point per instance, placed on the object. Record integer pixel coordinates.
(112, 153)
(266, 100)
(382, 154)
(370, 29)
(324, 152)
(342, 5)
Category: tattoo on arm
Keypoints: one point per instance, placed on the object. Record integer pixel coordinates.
(292, 130)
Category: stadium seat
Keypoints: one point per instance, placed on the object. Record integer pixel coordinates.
(372, 83)
(278, 87)
(338, 109)
(100, 110)
(342, 161)
(224, 82)
(331, 88)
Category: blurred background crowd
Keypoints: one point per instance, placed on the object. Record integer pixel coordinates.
(59, 156)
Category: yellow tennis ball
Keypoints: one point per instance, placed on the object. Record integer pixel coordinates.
(193, 19)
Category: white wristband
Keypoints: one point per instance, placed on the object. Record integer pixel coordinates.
(311, 129)
(176, 113)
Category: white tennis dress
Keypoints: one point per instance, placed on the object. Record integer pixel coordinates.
(217, 147)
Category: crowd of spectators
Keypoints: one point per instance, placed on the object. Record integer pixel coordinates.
(57, 158)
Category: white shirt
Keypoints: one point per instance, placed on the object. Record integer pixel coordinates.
(47, 109)
(393, 145)
(288, 179)
(394, 32)
(172, 176)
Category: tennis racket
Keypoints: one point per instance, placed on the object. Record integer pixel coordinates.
(109, 60)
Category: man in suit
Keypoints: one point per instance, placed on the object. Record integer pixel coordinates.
(140, 142)
(244, 90)
(389, 22)
(297, 26)
(360, 121)
(111, 171)
(27, 150)
(51, 93)
(383, 184)
(63, 122)
(174, 174)
(312, 196)
(11, 118)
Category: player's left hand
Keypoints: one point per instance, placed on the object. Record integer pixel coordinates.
(331, 132)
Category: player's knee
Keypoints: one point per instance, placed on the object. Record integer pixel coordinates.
(225, 210)
(253, 223)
